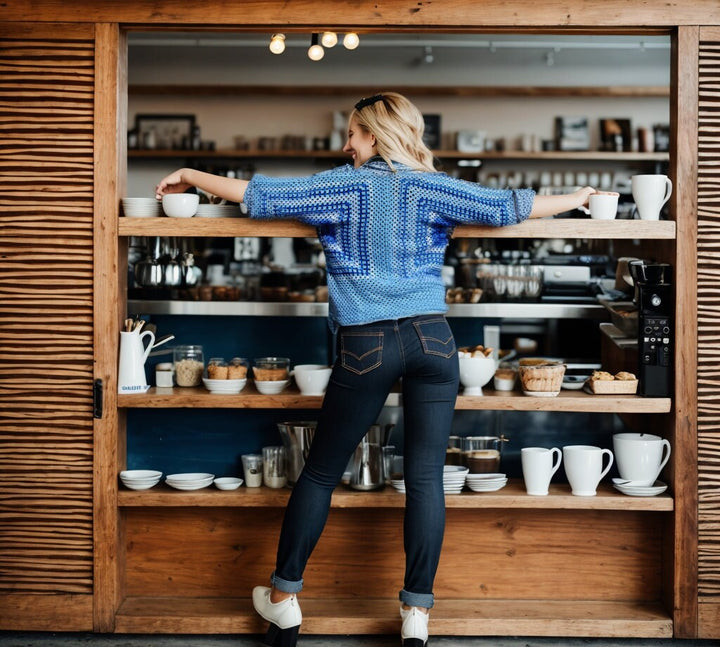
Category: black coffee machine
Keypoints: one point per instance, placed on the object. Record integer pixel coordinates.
(653, 298)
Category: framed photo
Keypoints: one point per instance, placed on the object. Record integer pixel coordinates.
(164, 132)
(432, 135)
(615, 135)
(572, 134)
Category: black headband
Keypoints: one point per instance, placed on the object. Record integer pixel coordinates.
(368, 101)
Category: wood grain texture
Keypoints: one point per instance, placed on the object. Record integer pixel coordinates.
(46, 291)
(708, 307)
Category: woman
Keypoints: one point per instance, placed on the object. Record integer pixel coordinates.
(384, 224)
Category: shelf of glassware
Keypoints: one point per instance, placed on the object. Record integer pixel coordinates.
(291, 398)
(585, 228)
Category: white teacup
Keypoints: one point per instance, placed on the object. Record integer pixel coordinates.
(583, 467)
(312, 379)
(640, 457)
(538, 467)
(650, 193)
(603, 205)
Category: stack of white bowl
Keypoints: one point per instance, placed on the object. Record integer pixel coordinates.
(398, 484)
(486, 482)
(140, 479)
(141, 207)
(454, 478)
(189, 481)
(218, 211)
(224, 386)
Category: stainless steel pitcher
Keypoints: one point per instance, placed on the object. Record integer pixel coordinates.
(296, 437)
(367, 470)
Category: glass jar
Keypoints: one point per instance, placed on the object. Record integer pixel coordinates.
(217, 368)
(164, 374)
(189, 365)
(237, 368)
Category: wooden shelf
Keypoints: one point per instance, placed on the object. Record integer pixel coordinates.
(535, 228)
(291, 398)
(513, 496)
(592, 156)
(570, 618)
(415, 90)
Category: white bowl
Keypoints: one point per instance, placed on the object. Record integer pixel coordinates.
(140, 474)
(475, 373)
(180, 205)
(312, 379)
(228, 483)
(224, 386)
(270, 387)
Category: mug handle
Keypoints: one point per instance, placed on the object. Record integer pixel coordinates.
(556, 465)
(668, 190)
(666, 445)
(610, 462)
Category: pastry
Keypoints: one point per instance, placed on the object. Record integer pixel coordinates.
(624, 375)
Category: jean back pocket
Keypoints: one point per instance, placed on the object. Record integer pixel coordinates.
(361, 352)
(436, 337)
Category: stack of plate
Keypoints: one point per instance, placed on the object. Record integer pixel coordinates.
(454, 478)
(640, 490)
(224, 386)
(486, 482)
(141, 207)
(140, 479)
(398, 484)
(218, 211)
(189, 481)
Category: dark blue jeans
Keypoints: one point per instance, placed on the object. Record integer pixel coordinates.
(371, 359)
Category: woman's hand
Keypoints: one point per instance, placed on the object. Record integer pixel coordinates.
(232, 189)
(172, 183)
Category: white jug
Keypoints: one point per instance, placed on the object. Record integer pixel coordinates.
(131, 371)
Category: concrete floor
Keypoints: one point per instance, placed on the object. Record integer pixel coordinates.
(25, 639)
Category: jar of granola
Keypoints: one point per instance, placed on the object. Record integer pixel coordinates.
(189, 365)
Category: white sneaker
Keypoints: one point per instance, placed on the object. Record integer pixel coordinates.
(414, 631)
(284, 614)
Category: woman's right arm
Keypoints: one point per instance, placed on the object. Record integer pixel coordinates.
(232, 189)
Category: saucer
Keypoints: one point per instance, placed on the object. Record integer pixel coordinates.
(642, 490)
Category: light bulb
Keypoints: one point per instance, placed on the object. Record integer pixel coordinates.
(315, 51)
(329, 39)
(351, 40)
(277, 43)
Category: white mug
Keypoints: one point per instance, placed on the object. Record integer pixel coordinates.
(640, 457)
(650, 193)
(538, 467)
(583, 467)
(602, 205)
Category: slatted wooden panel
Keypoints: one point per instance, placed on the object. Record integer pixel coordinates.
(46, 301)
(709, 322)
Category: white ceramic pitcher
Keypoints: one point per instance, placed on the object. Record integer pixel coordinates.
(131, 371)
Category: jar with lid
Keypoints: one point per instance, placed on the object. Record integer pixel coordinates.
(217, 369)
(189, 364)
(237, 368)
(164, 374)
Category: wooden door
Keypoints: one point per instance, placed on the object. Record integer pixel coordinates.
(46, 326)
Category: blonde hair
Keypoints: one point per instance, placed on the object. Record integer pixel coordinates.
(398, 128)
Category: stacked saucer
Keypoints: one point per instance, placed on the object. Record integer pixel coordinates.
(141, 207)
(486, 482)
(189, 481)
(398, 484)
(218, 211)
(140, 479)
(639, 490)
(454, 478)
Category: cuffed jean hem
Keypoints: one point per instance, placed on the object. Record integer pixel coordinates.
(284, 585)
(424, 600)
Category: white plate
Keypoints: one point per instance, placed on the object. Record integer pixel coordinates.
(494, 488)
(542, 394)
(140, 485)
(140, 474)
(489, 476)
(190, 485)
(190, 476)
(638, 490)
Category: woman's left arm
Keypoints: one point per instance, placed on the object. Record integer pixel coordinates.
(232, 189)
(550, 205)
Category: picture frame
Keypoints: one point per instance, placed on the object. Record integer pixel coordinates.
(164, 132)
(616, 135)
(432, 135)
(572, 134)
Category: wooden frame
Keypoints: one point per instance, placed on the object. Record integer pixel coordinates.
(168, 132)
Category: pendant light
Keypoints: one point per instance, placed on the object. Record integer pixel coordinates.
(329, 39)
(351, 40)
(315, 51)
(277, 43)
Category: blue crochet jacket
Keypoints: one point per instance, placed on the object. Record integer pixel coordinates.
(384, 231)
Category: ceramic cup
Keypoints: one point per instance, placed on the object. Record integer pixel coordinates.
(603, 205)
(538, 466)
(650, 193)
(583, 467)
(312, 379)
(640, 457)
(252, 469)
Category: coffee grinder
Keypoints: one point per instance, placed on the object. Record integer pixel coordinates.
(653, 298)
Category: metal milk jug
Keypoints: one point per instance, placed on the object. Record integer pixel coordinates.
(296, 437)
(131, 370)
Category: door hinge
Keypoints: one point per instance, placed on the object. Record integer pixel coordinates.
(98, 399)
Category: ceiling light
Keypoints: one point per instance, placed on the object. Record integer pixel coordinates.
(315, 51)
(277, 43)
(351, 40)
(329, 39)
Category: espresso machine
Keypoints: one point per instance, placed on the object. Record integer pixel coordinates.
(653, 298)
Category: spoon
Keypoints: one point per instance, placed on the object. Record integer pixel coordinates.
(628, 483)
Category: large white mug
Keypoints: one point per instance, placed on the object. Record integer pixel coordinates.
(583, 467)
(538, 466)
(650, 193)
(640, 457)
